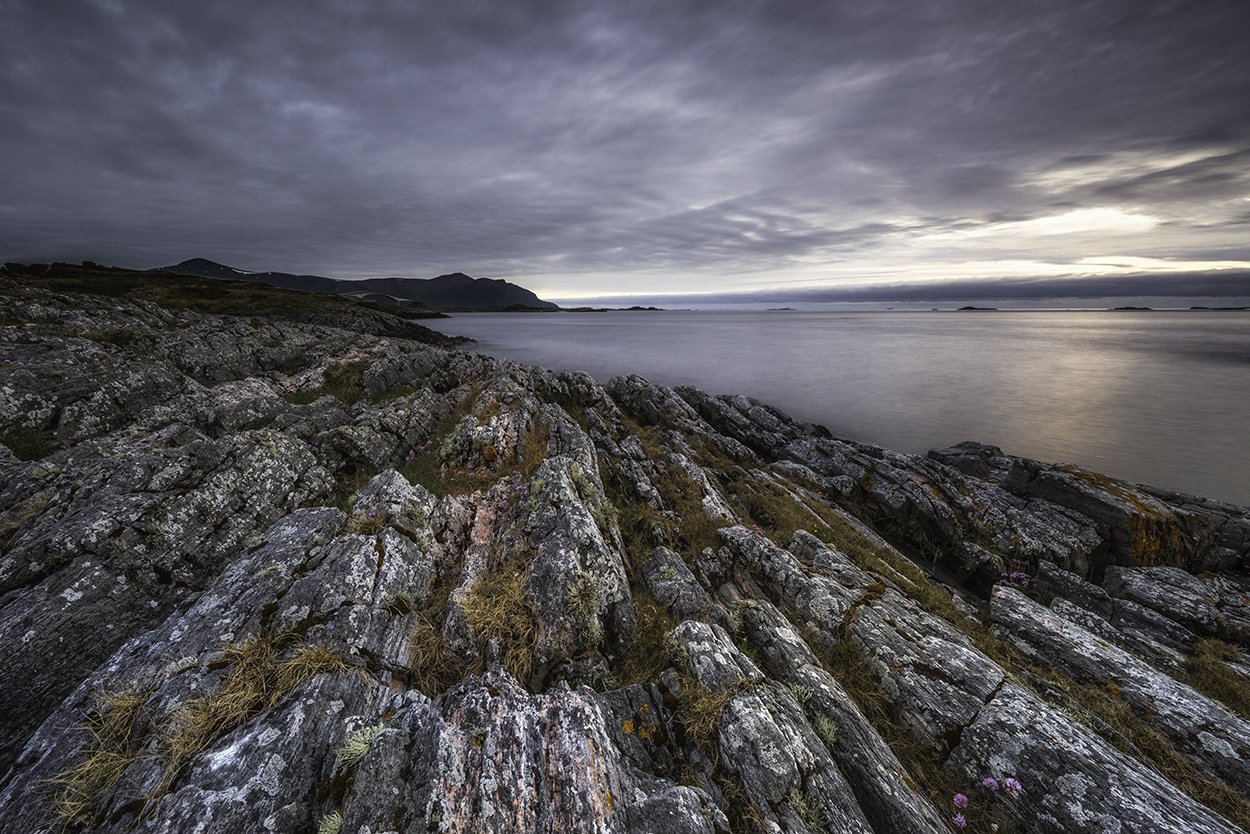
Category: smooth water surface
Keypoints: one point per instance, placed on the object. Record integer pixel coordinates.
(1153, 397)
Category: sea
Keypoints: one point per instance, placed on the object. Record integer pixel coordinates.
(1153, 397)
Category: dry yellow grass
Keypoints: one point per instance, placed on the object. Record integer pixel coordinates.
(256, 681)
(116, 740)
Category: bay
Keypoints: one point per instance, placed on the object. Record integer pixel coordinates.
(1161, 398)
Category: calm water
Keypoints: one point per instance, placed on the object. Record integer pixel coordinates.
(1160, 398)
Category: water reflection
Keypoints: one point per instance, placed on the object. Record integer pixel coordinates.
(1161, 398)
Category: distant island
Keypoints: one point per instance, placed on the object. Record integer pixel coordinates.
(454, 292)
(971, 309)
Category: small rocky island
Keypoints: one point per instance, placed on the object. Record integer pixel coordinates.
(289, 563)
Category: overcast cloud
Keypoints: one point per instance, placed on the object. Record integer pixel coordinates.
(634, 147)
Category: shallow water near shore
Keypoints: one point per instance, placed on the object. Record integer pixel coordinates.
(1161, 398)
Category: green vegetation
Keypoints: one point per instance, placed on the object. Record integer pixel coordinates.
(29, 444)
(495, 608)
(435, 667)
(826, 729)
(261, 671)
(331, 823)
(583, 607)
(180, 292)
(355, 746)
(1207, 671)
(650, 652)
(700, 711)
(812, 818)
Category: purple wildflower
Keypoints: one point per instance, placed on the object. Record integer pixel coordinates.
(961, 801)
(1012, 785)
(372, 514)
(959, 821)
(990, 782)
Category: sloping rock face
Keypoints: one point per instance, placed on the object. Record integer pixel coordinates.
(267, 576)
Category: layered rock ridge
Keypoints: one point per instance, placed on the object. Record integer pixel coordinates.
(265, 575)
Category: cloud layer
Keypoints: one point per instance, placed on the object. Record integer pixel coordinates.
(667, 146)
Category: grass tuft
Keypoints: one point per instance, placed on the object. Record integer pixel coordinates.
(583, 607)
(649, 653)
(257, 680)
(116, 738)
(495, 608)
(700, 711)
(434, 667)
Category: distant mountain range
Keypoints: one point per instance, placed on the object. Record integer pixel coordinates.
(456, 291)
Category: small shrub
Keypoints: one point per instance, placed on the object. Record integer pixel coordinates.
(826, 729)
(397, 604)
(331, 823)
(355, 746)
(366, 524)
(802, 694)
(343, 380)
(812, 818)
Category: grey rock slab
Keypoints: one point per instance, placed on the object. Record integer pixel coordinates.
(1175, 593)
(881, 783)
(674, 585)
(1215, 740)
(935, 681)
(766, 745)
(1073, 781)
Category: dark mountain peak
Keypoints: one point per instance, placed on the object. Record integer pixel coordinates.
(454, 290)
(203, 267)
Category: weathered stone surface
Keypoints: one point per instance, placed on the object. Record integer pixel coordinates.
(880, 781)
(1172, 592)
(1215, 740)
(1072, 780)
(767, 747)
(674, 585)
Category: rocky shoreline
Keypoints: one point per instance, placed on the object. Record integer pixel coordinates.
(268, 574)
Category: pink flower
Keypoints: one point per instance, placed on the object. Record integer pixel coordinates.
(959, 821)
(1012, 785)
(990, 782)
(961, 801)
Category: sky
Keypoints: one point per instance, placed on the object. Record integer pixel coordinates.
(791, 148)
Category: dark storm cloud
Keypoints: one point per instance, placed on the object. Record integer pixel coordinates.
(523, 139)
